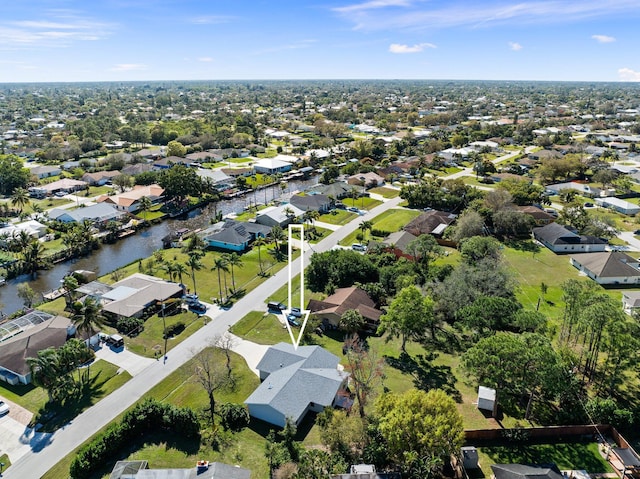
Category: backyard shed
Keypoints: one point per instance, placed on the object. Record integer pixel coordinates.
(487, 400)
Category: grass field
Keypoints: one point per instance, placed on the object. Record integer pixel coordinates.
(261, 328)
(391, 220)
(572, 456)
(337, 217)
(313, 234)
(364, 203)
(385, 192)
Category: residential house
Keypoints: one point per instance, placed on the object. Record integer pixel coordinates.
(100, 178)
(331, 309)
(607, 268)
(129, 201)
(619, 205)
(204, 157)
(136, 169)
(278, 215)
(520, 471)
(630, 301)
(540, 216)
(23, 337)
(234, 235)
(431, 222)
(296, 381)
(368, 180)
(366, 471)
(337, 190)
(65, 184)
(33, 228)
(169, 161)
(45, 171)
(217, 177)
(581, 188)
(309, 202)
(560, 240)
(237, 172)
(397, 243)
(272, 166)
(100, 213)
(202, 470)
(137, 295)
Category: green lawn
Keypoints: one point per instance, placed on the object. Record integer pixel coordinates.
(4, 459)
(337, 217)
(385, 192)
(261, 328)
(364, 203)
(103, 381)
(150, 342)
(313, 234)
(28, 396)
(391, 220)
(572, 455)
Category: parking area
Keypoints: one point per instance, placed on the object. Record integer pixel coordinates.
(16, 438)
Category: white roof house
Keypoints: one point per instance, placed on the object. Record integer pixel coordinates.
(100, 212)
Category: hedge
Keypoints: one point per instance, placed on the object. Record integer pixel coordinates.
(149, 415)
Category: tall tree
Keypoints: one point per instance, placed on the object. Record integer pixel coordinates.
(425, 249)
(408, 316)
(220, 264)
(20, 198)
(88, 316)
(211, 375)
(194, 264)
(419, 427)
(234, 260)
(366, 368)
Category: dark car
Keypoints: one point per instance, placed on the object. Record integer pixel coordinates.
(273, 306)
(198, 308)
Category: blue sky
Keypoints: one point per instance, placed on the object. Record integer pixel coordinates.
(105, 40)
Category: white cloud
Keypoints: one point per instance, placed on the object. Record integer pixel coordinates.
(516, 47)
(205, 59)
(627, 74)
(211, 19)
(372, 5)
(603, 38)
(57, 28)
(420, 16)
(398, 48)
(128, 67)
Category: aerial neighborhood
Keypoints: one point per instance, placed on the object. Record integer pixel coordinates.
(318, 279)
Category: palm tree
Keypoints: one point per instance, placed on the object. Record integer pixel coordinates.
(170, 268)
(289, 213)
(70, 284)
(364, 227)
(33, 256)
(194, 264)
(20, 198)
(259, 243)
(179, 269)
(220, 264)
(234, 260)
(88, 315)
(45, 370)
(145, 205)
(277, 235)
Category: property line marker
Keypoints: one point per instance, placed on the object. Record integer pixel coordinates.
(305, 312)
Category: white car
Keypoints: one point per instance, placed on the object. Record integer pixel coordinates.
(4, 408)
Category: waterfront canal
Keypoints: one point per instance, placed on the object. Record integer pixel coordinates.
(131, 248)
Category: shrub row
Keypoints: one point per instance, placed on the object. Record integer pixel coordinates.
(147, 416)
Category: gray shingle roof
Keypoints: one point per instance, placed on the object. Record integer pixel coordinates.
(297, 378)
(611, 264)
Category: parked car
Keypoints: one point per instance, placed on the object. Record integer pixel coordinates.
(198, 308)
(274, 306)
(358, 247)
(115, 341)
(190, 298)
(4, 408)
(293, 320)
(296, 312)
(588, 205)
(353, 209)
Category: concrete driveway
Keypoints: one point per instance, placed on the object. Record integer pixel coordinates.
(16, 438)
(124, 359)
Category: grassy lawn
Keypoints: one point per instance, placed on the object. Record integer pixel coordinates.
(28, 396)
(572, 455)
(261, 328)
(313, 234)
(4, 459)
(385, 192)
(364, 203)
(259, 180)
(104, 380)
(337, 217)
(393, 220)
(150, 341)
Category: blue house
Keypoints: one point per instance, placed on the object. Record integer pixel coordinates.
(234, 235)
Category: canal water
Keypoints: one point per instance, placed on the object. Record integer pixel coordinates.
(141, 245)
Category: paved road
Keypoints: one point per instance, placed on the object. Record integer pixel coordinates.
(41, 459)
